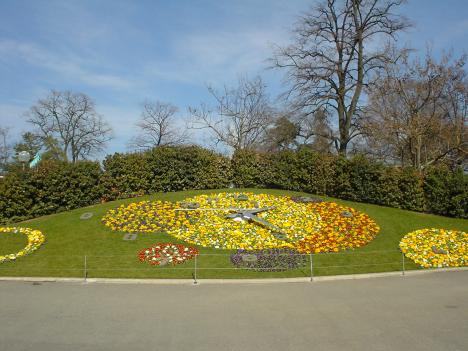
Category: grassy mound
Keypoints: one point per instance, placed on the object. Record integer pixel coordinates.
(70, 239)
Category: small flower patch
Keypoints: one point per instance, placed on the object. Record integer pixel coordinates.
(431, 248)
(35, 239)
(272, 260)
(167, 253)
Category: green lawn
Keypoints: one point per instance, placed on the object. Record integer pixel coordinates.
(69, 240)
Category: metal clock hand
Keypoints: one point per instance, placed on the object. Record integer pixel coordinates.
(250, 215)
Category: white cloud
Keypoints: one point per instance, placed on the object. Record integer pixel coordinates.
(217, 56)
(66, 65)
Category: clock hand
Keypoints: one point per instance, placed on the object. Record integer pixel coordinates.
(262, 221)
(209, 209)
(236, 209)
(259, 210)
(277, 232)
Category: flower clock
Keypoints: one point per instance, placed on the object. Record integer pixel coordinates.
(431, 248)
(250, 221)
(167, 253)
(35, 239)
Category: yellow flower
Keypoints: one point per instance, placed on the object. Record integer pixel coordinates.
(35, 239)
(436, 247)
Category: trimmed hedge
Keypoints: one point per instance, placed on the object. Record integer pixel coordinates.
(446, 192)
(185, 168)
(164, 169)
(438, 191)
(59, 186)
(52, 187)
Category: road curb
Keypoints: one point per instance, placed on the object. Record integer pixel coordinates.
(232, 281)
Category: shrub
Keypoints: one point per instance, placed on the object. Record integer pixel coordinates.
(250, 169)
(15, 199)
(315, 172)
(446, 192)
(439, 191)
(125, 175)
(187, 167)
(58, 186)
(52, 187)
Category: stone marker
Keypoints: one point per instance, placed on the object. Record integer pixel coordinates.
(129, 237)
(86, 215)
(190, 205)
(306, 199)
(164, 262)
(242, 197)
(346, 214)
(249, 258)
(280, 236)
(438, 250)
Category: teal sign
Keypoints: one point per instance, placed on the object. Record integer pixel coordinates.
(35, 161)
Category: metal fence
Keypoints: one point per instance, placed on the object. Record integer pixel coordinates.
(206, 265)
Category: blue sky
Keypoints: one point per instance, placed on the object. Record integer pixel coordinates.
(123, 52)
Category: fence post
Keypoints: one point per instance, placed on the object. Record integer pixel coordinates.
(402, 263)
(311, 267)
(85, 269)
(195, 271)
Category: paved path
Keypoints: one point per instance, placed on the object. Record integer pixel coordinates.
(425, 312)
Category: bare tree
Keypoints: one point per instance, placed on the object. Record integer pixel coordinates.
(5, 149)
(417, 113)
(158, 126)
(241, 115)
(71, 119)
(329, 63)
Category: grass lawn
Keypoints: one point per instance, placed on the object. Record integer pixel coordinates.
(69, 239)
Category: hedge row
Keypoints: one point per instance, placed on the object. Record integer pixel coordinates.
(438, 191)
(58, 186)
(52, 187)
(55, 186)
(164, 169)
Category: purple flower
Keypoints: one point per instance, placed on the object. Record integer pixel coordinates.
(268, 260)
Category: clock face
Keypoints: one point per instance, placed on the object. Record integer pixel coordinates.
(249, 221)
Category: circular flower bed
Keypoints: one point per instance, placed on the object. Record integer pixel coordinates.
(281, 224)
(432, 248)
(270, 260)
(167, 253)
(35, 239)
(143, 217)
(250, 221)
(341, 228)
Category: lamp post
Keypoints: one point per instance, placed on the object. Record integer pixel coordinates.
(24, 157)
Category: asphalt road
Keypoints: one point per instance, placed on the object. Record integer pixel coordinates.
(424, 312)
